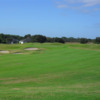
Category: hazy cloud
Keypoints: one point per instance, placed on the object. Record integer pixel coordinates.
(97, 25)
(85, 6)
(86, 3)
(62, 6)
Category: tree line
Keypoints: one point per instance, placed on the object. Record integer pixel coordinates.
(7, 38)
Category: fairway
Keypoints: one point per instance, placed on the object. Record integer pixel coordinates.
(52, 72)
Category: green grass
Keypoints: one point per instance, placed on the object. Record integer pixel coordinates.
(55, 72)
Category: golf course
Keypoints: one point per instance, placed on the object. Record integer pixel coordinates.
(50, 71)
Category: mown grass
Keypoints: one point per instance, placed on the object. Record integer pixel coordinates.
(57, 72)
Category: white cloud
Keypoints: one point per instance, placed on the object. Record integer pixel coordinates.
(86, 3)
(81, 5)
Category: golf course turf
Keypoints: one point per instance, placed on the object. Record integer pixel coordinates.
(53, 72)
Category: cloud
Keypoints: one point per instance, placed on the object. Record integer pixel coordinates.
(62, 6)
(86, 3)
(85, 6)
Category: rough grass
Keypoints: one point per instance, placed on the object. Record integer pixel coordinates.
(57, 72)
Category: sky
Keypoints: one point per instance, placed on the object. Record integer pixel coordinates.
(53, 18)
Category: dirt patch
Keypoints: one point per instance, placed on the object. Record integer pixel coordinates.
(31, 49)
(4, 52)
(16, 89)
(17, 53)
(5, 79)
(16, 81)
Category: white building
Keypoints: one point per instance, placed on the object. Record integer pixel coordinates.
(21, 42)
(27, 40)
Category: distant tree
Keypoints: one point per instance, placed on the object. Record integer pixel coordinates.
(27, 36)
(2, 38)
(60, 40)
(90, 40)
(38, 38)
(83, 40)
(65, 39)
(7, 38)
(97, 40)
(48, 39)
(70, 39)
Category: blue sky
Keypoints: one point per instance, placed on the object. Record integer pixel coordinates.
(70, 18)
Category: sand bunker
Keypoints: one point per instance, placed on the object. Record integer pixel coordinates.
(4, 52)
(31, 49)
